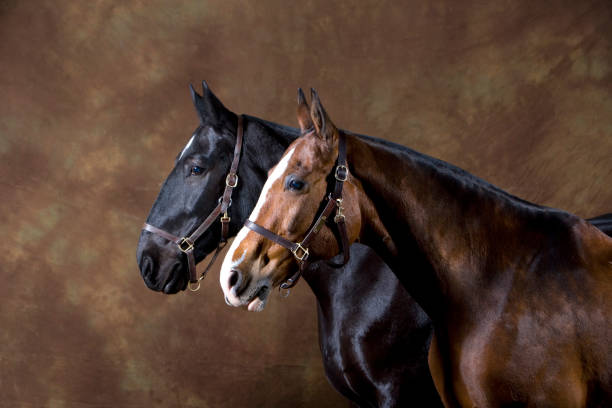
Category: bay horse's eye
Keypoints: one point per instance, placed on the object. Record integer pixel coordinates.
(296, 185)
(292, 182)
(196, 170)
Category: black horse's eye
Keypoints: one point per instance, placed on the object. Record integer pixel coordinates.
(196, 170)
(296, 185)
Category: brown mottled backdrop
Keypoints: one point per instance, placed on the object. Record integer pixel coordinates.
(94, 107)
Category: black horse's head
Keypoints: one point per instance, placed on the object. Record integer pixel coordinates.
(188, 196)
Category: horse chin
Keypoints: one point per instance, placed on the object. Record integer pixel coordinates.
(173, 287)
(257, 305)
(255, 302)
(258, 301)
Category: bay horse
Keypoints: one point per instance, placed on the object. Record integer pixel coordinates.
(519, 293)
(356, 304)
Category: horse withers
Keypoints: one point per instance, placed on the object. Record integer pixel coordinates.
(519, 293)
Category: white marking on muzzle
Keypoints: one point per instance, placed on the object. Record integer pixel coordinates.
(237, 261)
(228, 261)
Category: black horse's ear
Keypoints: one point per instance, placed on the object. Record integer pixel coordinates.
(303, 113)
(324, 127)
(210, 110)
(198, 103)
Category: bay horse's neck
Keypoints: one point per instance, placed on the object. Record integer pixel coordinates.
(443, 230)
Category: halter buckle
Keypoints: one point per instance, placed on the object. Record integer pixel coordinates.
(225, 218)
(341, 173)
(339, 212)
(228, 204)
(194, 288)
(229, 178)
(304, 254)
(185, 245)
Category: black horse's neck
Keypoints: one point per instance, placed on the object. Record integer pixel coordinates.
(264, 145)
(447, 225)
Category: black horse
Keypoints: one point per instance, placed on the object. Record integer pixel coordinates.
(371, 356)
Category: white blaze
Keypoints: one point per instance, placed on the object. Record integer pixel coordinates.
(187, 147)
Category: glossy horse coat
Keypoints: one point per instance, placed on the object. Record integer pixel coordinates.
(357, 304)
(519, 293)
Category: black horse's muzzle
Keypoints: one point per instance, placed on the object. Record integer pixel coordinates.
(162, 268)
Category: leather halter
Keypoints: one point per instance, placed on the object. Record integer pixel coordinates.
(334, 202)
(187, 244)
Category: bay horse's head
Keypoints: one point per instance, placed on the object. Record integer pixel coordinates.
(292, 197)
(187, 197)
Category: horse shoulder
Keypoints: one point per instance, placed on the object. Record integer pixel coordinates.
(596, 250)
(596, 321)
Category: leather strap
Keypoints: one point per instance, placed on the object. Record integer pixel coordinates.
(231, 181)
(291, 246)
(187, 244)
(330, 206)
(341, 175)
(167, 235)
(205, 224)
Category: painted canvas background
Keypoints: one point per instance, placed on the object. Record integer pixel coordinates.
(94, 107)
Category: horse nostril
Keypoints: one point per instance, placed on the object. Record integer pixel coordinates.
(236, 282)
(146, 266)
(234, 277)
(147, 270)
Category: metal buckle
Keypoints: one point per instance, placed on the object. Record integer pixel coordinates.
(228, 181)
(185, 245)
(225, 217)
(194, 288)
(337, 174)
(339, 212)
(228, 204)
(299, 247)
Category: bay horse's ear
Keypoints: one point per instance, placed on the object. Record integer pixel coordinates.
(324, 127)
(303, 112)
(210, 110)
